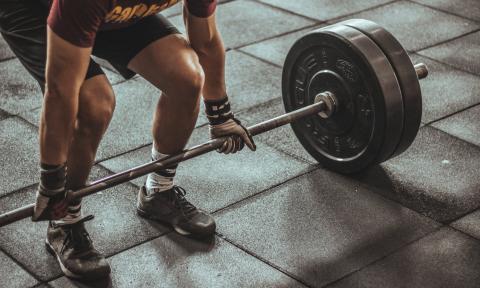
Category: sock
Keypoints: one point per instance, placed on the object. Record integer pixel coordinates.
(161, 180)
(52, 179)
(74, 212)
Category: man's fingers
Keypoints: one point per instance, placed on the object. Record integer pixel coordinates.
(249, 141)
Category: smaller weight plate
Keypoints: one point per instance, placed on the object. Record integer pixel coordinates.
(368, 120)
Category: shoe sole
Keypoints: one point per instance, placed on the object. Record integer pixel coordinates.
(64, 269)
(177, 229)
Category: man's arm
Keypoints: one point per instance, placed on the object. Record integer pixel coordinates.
(206, 41)
(65, 72)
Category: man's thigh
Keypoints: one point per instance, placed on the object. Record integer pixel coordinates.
(120, 46)
(23, 26)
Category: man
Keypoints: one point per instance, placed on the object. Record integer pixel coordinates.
(79, 102)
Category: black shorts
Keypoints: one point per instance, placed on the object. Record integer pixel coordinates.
(23, 26)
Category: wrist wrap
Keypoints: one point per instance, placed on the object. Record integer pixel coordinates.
(218, 111)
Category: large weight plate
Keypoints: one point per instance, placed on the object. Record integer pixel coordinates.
(406, 75)
(367, 124)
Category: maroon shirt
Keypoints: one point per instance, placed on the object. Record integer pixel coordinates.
(78, 21)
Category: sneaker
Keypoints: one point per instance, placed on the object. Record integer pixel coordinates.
(72, 246)
(171, 207)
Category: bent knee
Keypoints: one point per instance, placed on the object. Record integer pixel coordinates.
(190, 82)
(97, 103)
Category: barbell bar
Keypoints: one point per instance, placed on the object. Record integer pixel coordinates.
(327, 104)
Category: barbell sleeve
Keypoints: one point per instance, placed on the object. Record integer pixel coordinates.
(139, 171)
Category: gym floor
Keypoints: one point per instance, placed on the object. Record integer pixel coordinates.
(283, 221)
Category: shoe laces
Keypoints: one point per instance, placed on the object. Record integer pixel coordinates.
(187, 208)
(77, 237)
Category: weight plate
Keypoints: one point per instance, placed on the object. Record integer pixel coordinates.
(406, 76)
(368, 120)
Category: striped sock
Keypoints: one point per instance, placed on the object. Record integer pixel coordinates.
(74, 212)
(161, 180)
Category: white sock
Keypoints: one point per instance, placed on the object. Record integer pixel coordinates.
(161, 180)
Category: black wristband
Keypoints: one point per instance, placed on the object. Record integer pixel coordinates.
(218, 111)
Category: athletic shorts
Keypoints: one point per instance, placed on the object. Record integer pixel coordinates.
(23, 26)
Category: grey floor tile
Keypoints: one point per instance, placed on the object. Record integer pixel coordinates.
(255, 23)
(132, 120)
(446, 90)
(281, 138)
(321, 226)
(323, 9)
(461, 53)
(215, 180)
(275, 50)
(173, 261)
(437, 176)
(251, 82)
(403, 18)
(469, 224)
(464, 125)
(5, 52)
(443, 259)
(12, 275)
(464, 8)
(115, 227)
(19, 155)
(19, 91)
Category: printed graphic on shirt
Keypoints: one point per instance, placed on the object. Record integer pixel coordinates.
(121, 13)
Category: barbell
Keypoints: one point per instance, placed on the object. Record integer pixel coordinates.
(351, 94)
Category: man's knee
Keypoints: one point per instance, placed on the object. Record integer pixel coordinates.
(97, 103)
(191, 81)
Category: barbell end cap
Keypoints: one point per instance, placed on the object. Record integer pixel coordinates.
(422, 70)
(330, 103)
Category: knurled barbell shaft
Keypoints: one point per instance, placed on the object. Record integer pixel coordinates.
(139, 171)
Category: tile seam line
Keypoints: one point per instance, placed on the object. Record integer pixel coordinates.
(21, 265)
(444, 11)
(450, 115)
(420, 53)
(267, 38)
(394, 251)
(263, 191)
(286, 11)
(7, 59)
(445, 41)
(261, 259)
(464, 233)
(474, 146)
(334, 19)
(239, 50)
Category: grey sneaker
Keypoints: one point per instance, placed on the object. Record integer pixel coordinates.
(171, 207)
(72, 246)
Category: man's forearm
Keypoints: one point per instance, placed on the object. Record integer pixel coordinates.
(212, 59)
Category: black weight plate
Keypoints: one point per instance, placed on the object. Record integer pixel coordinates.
(406, 76)
(368, 121)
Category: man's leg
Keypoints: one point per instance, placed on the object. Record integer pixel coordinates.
(68, 239)
(23, 25)
(96, 106)
(172, 66)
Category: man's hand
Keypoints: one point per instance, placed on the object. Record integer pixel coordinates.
(238, 136)
(49, 206)
(223, 123)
